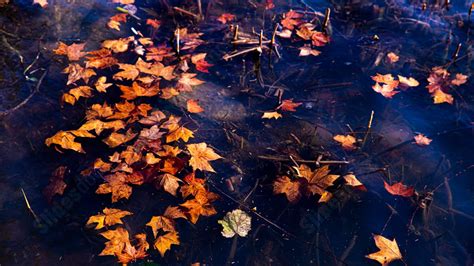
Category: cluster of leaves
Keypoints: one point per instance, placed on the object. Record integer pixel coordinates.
(295, 26)
(305, 183)
(440, 83)
(147, 145)
(387, 85)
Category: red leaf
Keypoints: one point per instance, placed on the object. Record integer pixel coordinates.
(399, 189)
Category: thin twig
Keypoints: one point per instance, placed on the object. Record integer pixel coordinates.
(25, 101)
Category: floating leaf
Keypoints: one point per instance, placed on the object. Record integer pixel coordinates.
(422, 140)
(201, 155)
(399, 189)
(236, 222)
(347, 141)
(388, 252)
(108, 217)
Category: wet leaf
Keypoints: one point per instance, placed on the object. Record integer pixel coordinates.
(193, 106)
(119, 45)
(288, 105)
(56, 184)
(291, 19)
(179, 133)
(422, 140)
(270, 115)
(163, 243)
(164, 223)
(42, 3)
(116, 139)
(399, 189)
(388, 252)
(101, 85)
(291, 188)
(236, 222)
(226, 17)
(201, 154)
(347, 141)
(200, 206)
(169, 183)
(114, 21)
(77, 72)
(108, 217)
(73, 52)
(392, 57)
(67, 139)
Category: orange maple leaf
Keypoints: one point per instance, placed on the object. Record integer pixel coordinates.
(201, 155)
(108, 217)
(193, 106)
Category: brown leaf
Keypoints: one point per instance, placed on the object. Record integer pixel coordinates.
(56, 184)
(291, 188)
(115, 139)
(73, 52)
(169, 183)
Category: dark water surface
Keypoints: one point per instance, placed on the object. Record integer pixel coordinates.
(335, 88)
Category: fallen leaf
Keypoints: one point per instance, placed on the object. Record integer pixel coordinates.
(226, 17)
(164, 223)
(234, 223)
(154, 23)
(115, 139)
(42, 3)
(459, 79)
(288, 105)
(422, 140)
(410, 82)
(101, 85)
(119, 45)
(163, 243)
(108, 217)
(291, 188)
(399, 189)
(307, 50)
(388, 252)
(114, 21)
(291, 19)
(201, 154)
(73, 52)
(77, 72)
(67, 139)
(392, 57)
(169, 183)
(56, 184)
(347, 141)
(193, 106)
(270, 115)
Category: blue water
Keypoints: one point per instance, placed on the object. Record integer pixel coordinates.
(335, 88)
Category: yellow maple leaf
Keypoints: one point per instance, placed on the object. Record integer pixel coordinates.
(388, 252)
